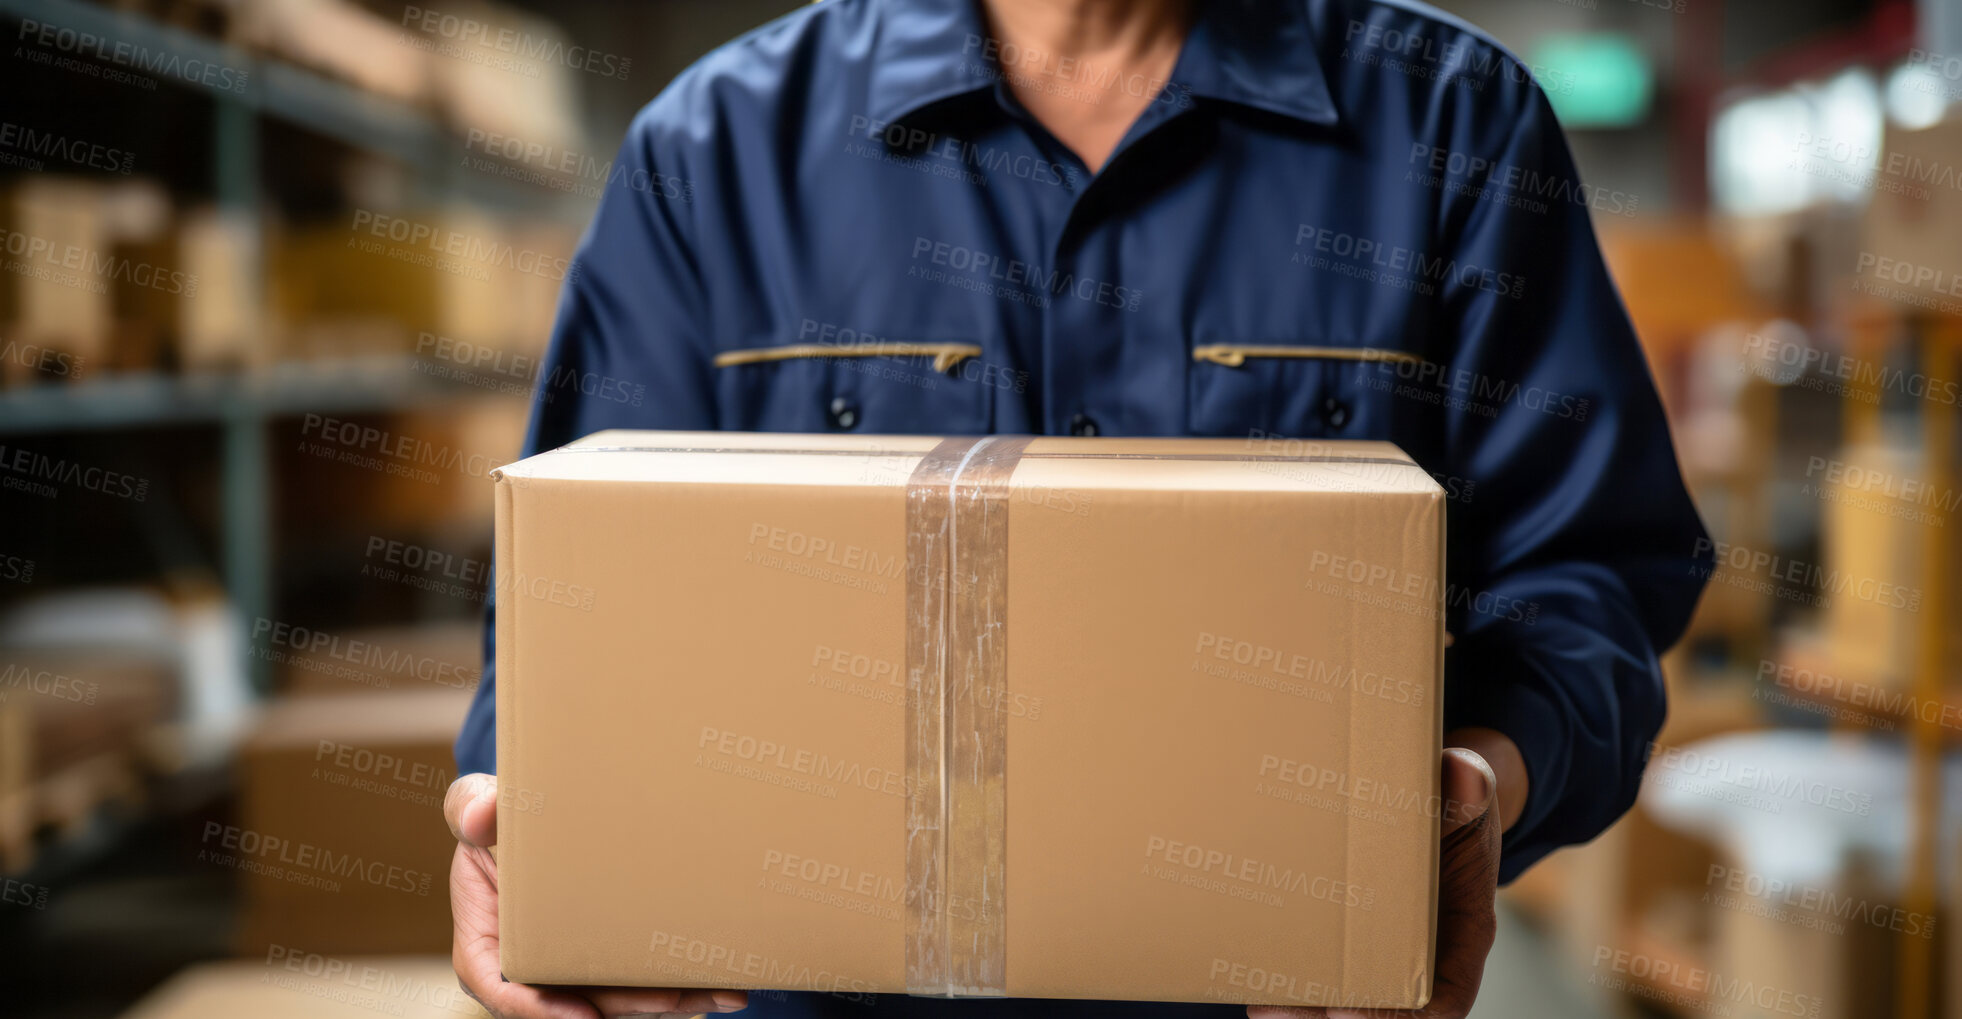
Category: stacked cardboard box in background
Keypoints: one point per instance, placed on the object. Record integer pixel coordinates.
(340, 840)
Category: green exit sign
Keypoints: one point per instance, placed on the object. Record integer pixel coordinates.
(1594, 79)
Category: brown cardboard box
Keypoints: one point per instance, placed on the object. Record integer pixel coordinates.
(1188, 748)
(57, 297)
(341, 843)
(421, 658)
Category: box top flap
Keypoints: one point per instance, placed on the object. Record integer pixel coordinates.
(1151, 463)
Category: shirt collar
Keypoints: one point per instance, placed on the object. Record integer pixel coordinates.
(1256, 53)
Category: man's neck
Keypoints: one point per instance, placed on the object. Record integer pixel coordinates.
(1087, 68)
(1121, 31)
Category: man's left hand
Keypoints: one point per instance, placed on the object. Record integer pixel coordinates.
(1481, 799)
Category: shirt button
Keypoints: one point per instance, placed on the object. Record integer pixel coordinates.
(1080, 424)
(1335, 413)
(844, 413)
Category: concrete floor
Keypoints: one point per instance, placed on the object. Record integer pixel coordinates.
(1527, 977)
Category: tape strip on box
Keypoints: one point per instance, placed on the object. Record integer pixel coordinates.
(957, 731)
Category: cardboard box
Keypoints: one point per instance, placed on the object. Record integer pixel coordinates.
(340, 842)
(408, 659)
(1145, 719)
(309, 985)
(56, 297)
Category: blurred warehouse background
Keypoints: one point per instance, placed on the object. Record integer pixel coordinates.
(220, 623)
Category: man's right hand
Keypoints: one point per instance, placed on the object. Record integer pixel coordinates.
(471, 809)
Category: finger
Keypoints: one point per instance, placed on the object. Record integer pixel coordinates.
(625, 1001)
(470, 807)
(477, 970)
(1468, 884)
(1470, 786)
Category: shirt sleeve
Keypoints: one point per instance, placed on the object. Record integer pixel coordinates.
(1580, 556)
(629, 347)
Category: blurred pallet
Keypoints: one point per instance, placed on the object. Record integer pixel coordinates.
(63, 804)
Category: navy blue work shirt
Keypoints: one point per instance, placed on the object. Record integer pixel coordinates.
(1339, 219)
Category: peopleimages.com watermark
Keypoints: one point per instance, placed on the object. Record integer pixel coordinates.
(361, 984)
(1792, 362)
(16, 569)
(1807, 906)
(557, 168)
(1394, 265)
(30, 149)
(1749, 785)
(38, 474)
(1406, 591)
(1921, 286)
(1068, 77)
(468, 39)
(1012, 279)
(1703, 991)
(488, 367)
(1467, 60)
(18, 678)
(360, 661)
(1240, 877)
(449, 250)
(1783, 577)
(1244, 983)
(86, 53)
(1297, 457)
(971, 369)
(1338, 792)
(1825, 693)
(685, 959)
(949, 157)
(1510, 185)
(303, 863)
(1295, 673)
(1879, 491)
(824, 559)
(857, 890)
(1856, 163)
(46, 260)
(884, 681)
(44, 360)
(387, 452)
(772, 763)
(14, 892)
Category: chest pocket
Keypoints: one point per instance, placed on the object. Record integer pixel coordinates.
(1295, 390)
(938, 388)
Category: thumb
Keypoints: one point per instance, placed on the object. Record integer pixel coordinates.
(1469, 787)
(470, 807)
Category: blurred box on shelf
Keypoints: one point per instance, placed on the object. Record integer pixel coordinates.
(384, 280)
(1880, 509)
(1912, 220)
(77, 731)
(340, 843)
(55, 291)
(219, 326)
(418, 659)
(507, 73)
(148, 284)
(338, 39)
(295, 982)
(1828, 946)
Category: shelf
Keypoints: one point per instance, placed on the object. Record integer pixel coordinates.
(281, 90)
(344, 386)
(272, 86)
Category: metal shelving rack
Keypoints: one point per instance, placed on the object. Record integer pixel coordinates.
(243, 404)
